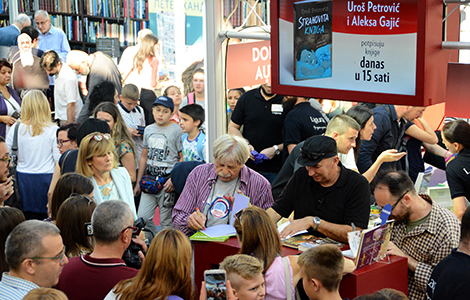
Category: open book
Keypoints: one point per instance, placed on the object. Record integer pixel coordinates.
(220, 233)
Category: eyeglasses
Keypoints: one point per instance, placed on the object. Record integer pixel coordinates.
(90, 199)
(310, 156)
(399, 199)
(99, 137)
(6, 159)
(59, 257)
(239, 214)
(61, 142)
(135, 230)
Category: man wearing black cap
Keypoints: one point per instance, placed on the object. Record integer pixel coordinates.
(327, 199)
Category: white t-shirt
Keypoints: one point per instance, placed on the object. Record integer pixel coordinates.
(36, 154)
(348, 160)
(65, 92)
(133, 119)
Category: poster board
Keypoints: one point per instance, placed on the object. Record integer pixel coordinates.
(382, 51)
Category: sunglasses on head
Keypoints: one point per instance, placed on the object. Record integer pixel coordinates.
(310, 156)
(101, 136)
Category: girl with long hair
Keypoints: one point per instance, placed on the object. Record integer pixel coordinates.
(71, 219)
(175, 94)
(37, 153)
(165, 273)
(125, 147)
(456, 137)
(265, 244)
(365, 117)
(145, 73)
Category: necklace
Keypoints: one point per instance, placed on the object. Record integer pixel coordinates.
(107, 190)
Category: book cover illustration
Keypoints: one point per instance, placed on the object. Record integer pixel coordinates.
(313, 30)
(373, 245)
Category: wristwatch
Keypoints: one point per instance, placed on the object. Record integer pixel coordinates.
(316, 223)
(277, 151)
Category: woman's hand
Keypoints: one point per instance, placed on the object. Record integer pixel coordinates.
(8, 120)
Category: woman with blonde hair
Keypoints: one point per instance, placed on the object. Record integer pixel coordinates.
(37, 153)
(125, 147)
(97, 161)
(145, 73)
(165, 273)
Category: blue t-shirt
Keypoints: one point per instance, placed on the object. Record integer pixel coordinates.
(194, 150)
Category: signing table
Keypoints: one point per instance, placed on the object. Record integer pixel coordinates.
(367, 280)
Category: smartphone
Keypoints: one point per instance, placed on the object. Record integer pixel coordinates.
(216, 284)
(141, 129)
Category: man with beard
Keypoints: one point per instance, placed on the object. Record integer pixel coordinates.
(260, 111)
(302, 121)
(67, 101)
(27, 72)
(34, 35)
(424, 231)
(98, 67)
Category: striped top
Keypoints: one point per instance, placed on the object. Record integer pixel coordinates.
(198, 188)
(15, 288)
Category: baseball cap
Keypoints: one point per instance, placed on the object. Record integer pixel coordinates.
(315, 149)
(164, 101)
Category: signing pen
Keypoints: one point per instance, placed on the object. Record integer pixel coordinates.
(353, 226)
(200, 215)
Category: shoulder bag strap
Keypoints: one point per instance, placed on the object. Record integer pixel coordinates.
(11, 104)
(14, 147)
(285, 260)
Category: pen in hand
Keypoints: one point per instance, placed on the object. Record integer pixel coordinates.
(199, 214)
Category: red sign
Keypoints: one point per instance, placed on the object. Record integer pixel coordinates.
(248, 64)
(381, 51)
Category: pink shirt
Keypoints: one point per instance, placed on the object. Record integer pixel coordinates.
(275, 279)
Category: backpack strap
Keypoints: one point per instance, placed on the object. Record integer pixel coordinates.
(14, 146)
(191, 98)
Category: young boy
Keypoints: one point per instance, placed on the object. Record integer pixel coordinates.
(321, 269)
(194, 140)
(245, 275)
(161, 151)
(133, 115)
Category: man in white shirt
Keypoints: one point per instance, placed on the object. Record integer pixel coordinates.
(67, 99)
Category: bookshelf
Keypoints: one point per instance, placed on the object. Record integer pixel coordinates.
(4, 13)
(84, 21)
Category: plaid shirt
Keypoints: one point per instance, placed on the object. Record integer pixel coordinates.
(428, 243)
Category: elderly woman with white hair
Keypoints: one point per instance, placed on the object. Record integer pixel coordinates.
(210, 188)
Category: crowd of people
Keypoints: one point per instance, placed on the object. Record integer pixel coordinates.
(91, 149)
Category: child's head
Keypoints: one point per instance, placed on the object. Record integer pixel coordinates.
(192, 117)
(129, 96)
(162, 110)
(198, 81)
(174, 93)
(232, 97)
(245, 275)
(321, 269)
